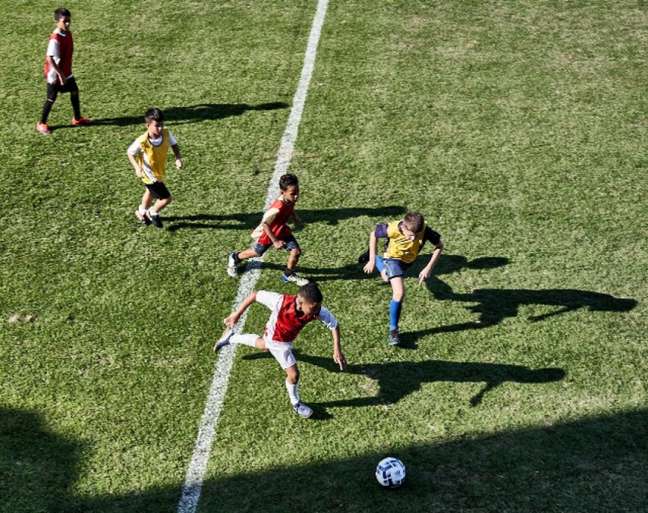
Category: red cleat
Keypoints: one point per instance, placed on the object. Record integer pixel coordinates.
(81, 121)
(43, 128)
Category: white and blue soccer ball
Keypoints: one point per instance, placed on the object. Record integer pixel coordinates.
(390, 472)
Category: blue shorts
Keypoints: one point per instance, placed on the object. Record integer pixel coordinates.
(392, 266)
(290, 244)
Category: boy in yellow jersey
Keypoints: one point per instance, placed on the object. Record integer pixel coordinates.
(148, 155)
(405, 239)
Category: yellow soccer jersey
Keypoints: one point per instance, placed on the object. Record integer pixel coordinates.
(152, 155)
(400, 247)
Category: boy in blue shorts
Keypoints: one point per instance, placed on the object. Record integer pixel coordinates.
(405, 239)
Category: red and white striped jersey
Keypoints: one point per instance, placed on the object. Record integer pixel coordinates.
(60, 48)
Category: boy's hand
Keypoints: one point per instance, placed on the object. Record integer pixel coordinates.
(178, 163)
(278, 244)
(231, 320)
(139, 172)
(369, 266)
(338, 357)
(423, 275)
(60, 78)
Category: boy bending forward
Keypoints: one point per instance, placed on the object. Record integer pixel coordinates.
(289, 314)
(405, 239)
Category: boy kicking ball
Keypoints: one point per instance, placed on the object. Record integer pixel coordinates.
(148, 155)
(405, 240)
(289, 314)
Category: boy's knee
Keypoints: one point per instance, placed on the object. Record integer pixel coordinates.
(296, 252)
(398, 295)
(292, 373)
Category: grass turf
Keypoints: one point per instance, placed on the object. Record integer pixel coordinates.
(517, 128)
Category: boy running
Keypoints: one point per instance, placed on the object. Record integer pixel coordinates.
(405, 239)
(148, 155)
(58, 71)
(274, 231)
(289, 314)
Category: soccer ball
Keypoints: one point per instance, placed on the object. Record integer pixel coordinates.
(390, 472)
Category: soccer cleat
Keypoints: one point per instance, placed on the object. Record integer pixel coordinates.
(393, 339)
(302, 410)
(294, 278)
(143, 218)
(43, 128)
(224, 340)
(81, 121)
(154, 218)
(231, 265)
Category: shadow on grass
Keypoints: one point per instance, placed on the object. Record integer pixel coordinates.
(188, 114)
(250, 220)
(396, 380)
(592, 464)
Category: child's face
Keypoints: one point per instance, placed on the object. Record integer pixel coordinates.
(306, 307)
(405, 230)
(63, 23)
(155, 129)
(291, 194)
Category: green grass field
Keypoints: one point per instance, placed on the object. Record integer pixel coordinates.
(518, 128)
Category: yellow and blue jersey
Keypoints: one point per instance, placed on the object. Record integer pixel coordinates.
(399, 247)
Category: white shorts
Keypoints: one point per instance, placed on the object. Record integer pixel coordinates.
(282, 351)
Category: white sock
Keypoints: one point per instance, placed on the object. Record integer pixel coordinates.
(141, 209)
(293, 392)
(246, 339)
(153, 212)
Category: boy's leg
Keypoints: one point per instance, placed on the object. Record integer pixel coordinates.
(395, 306)
(292, 387)
(52, 93)
(293, 257)
(140, 213)
(246, 339)
(74, 97)
(160, 191)
(236, 257)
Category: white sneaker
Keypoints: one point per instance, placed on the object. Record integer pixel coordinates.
(224, 340)
(231, 265)
(294, 278)
(302, 410)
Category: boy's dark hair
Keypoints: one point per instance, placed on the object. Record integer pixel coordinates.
(288, 180)
(414, 221)
(153, 114)
(311, 293)
(61, 12)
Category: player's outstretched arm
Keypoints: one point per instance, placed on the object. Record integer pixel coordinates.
(371, 264)
(427, 270)
(231, 320)
(338, 355)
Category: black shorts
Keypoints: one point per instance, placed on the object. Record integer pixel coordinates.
(158, 189)
(54, 89)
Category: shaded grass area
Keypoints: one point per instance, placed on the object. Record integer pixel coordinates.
(518, 129)
(594, 464)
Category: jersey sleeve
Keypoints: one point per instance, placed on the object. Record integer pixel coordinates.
(268, 299)
(172, 139)
(431, 236)
(327, 318)
(381, 231)
(54, 49)
(135, 148)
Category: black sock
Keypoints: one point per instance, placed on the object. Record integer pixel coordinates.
(288, 272)
(47, 108)
(76, 105)
(237, 260)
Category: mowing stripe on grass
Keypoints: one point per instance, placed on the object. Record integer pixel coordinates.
(198, 465)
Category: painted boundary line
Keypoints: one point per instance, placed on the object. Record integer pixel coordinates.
(198, 466)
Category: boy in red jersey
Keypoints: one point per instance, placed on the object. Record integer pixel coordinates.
(289, 315)
(274, 231)
(58, 71)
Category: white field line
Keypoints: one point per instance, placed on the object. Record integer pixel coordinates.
(206, 433)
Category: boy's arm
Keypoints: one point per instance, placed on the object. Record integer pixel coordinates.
(52, 63)
(135, 164)
(277, 243)
(371, 264)
(176, 154)
(436, 254)
(329, 320)
(231, 320)
(297, 220)
(338, 355)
